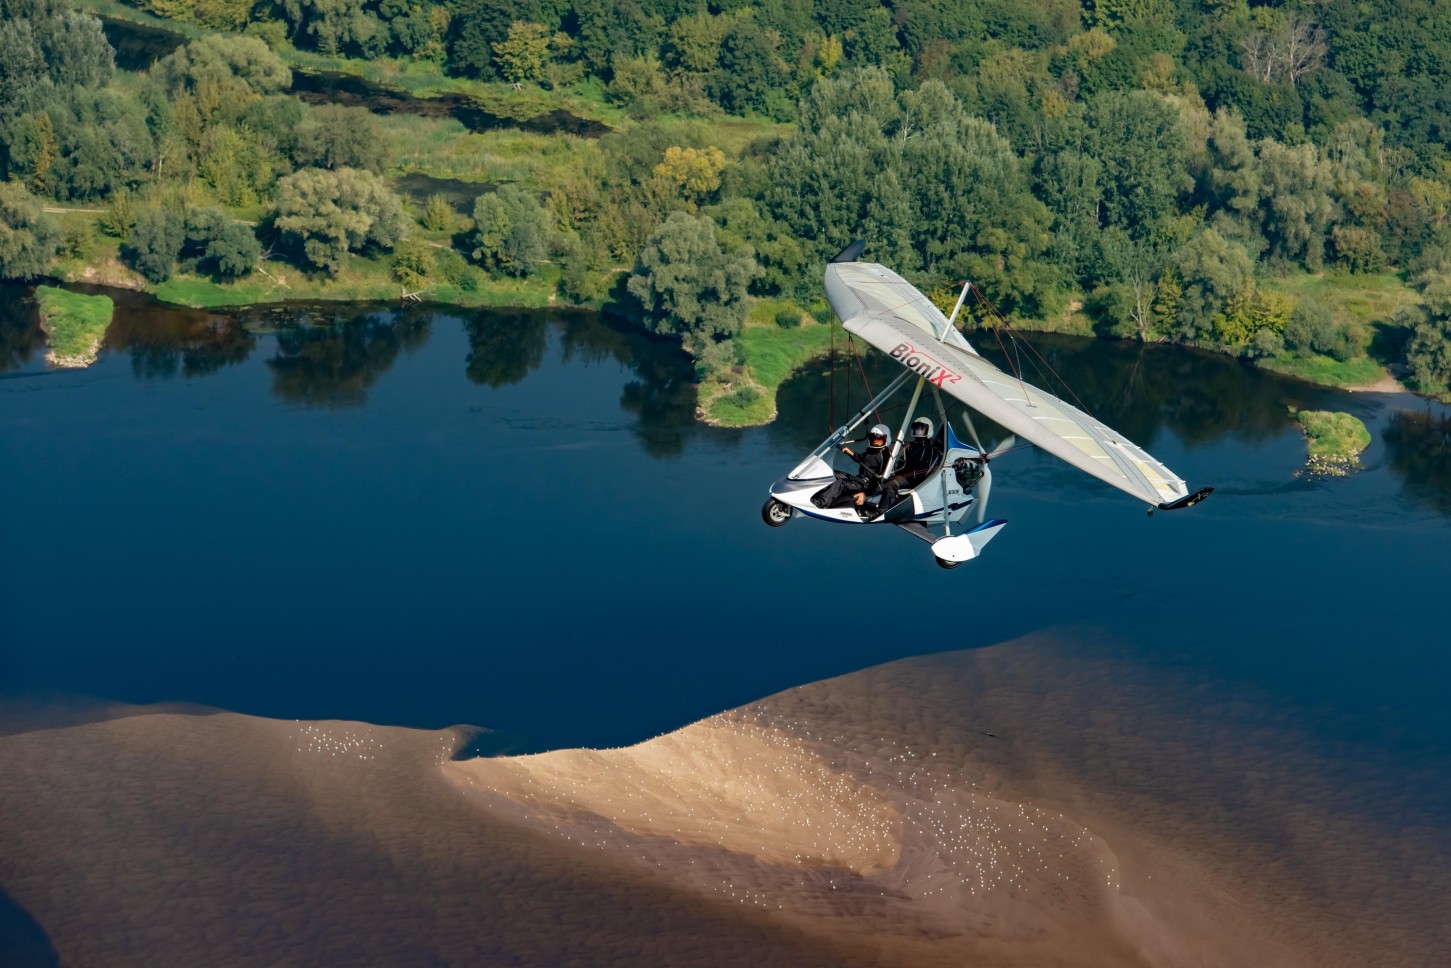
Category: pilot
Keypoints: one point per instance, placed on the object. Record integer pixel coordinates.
(872, 464)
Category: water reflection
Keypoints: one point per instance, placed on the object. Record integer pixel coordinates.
(1139, 390)
(504, 349)
(1419, 445)
(331, 358)
(165, 342)
(21, 337)
(1142, 390)
(332, 355)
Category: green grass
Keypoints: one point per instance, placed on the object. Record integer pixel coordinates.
(1333, 436)
(1364, 299)
(1361, 371)
(770, 354)
(75, 324)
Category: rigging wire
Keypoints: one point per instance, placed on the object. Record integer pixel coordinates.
(1019, 340)
(865, 382)
(831, 386)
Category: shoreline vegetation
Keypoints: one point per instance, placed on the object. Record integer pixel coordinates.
(1334, 441)
(1099, 174)
(75, 325)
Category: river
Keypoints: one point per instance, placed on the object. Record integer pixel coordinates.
(436, 516)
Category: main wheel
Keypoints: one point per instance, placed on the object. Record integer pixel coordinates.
(944, 563)
(775, 513)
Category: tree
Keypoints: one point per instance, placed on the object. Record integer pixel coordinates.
(328, 214)
(746, 76)
(1137, 264)
(102, 143)
(156, 240)
(477, 25)
(688, 286)
(511, 230)
(46, 48)
(521, 55)
(1297, 208)
(695, 171)
(29, 238)
(226, 69)
(1144, 152)
(219, 245)
(333, 136)
(1428, 351)
(1212, 271)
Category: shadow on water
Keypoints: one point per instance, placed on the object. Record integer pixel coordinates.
(23, 942)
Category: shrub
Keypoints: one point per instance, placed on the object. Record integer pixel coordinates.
(438, 214)
(744, 396)
(788, 318)
(450, 267)
(412, 261)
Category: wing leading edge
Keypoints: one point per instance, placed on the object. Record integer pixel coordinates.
(890, 313)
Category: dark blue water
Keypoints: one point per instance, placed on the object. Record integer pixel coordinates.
(514, 520)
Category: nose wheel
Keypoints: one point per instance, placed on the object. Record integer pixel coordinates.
(775, 513)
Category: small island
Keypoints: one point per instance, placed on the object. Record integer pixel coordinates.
(1335, 441)
(74, 324)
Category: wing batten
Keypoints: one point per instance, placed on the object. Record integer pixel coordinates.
(891, 314)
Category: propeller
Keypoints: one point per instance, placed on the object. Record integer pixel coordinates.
(985, 488)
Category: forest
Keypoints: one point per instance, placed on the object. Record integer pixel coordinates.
(1271, 180)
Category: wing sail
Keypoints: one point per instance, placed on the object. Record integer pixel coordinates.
(891, 314)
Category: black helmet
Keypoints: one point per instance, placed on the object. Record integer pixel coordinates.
(922, 427)
(879, 436)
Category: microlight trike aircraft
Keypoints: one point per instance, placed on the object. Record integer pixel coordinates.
(888, 312)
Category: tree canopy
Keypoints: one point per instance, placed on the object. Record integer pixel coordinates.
(327, 214)
(687, 285)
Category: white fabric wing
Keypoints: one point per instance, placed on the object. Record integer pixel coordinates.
(891, 314)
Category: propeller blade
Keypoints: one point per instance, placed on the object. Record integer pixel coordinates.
(1004, 447)
(984, 488)
(972, 431)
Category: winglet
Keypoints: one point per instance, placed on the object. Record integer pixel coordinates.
(851, 253)
(1189, 501)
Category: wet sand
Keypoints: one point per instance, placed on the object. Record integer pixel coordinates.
(1043, 802)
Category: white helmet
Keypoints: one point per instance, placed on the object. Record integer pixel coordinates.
(879, 436)
(922, 427)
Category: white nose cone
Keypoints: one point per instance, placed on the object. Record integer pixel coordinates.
(965, 547)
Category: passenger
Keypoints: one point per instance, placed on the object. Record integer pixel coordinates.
(920, 457)
(872, 465)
